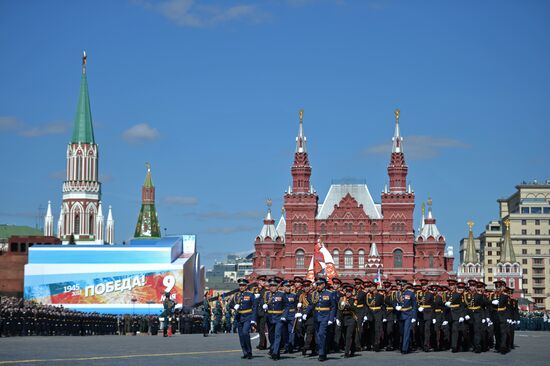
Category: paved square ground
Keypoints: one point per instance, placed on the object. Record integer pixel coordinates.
(532, 349)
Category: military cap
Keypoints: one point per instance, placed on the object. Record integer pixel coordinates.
(347, 287)
(400, 282)
(417, 287)
(472, 282)
(433, 287)
(320, 280)
(424, 281)
(386, 283)
(407, 285)
(461, 285)
(278, 279)
(481, 285)
(336, 280)
(451, 282)
(306, 282)
(273, 282)
(298, 279)
(393, 287)
(285, 283)
(358, 280)
(242, 281)
(261, 278)
(382, 289)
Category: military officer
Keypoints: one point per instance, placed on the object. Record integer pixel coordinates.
(347, 319)
(244, 303)
(324, 312)
(406, 306)
(426, 307)
(260, 292)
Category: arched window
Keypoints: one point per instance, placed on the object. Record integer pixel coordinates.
(336, 257)
(393, 227)
(361, 227)
(335, 228)
(348, 259)
(323, 228)
(295, 228)
(304, 228)
(267, 262)
(91, 224)
(398, 258)
(77, 223)
(511, 283)
(431, 261)
(361, 258)
(299, 258)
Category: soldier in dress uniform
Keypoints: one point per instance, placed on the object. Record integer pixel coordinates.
(500, 302)
(217, 312)
(308, 324)
(389, 315)
(168, 312)
(347, 319)
(276, 307)
(324, 312)
(426, 308)
(289, 334)
(458, 311)
(406, 306)
(361, 310)
(298, 324)
(261, 316)
(206, 315)
(335, 331)
(244, 303)
(375, 303)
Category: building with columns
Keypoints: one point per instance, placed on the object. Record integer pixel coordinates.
(81, 215)
(351, 224)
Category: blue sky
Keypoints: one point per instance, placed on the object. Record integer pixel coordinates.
(209, 93)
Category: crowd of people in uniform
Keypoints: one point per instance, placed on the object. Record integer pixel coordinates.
(26, 318)
(321, 317)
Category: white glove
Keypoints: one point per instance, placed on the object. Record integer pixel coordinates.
(337, 322)
(384, 320)
(329, 322)
(494, 302)
(252, 322)
(264, 306)
(448, 304)
(257, 296)
(488, 320)
(283, 319)
(421, 309)
(434, 321)
(508, 321)
(483, 321)
(445, 323)
(517, 322)
(299, 305)
(467, 317)
(304, 317)
(298, 315)
(365, 318)
(236, 307)
(398, 307)
(461, 320)
(489, 324)
(413, 320)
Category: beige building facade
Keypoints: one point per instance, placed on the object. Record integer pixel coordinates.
(528, 212)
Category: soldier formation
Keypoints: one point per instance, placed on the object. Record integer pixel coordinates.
(321, 317)
(25, 318)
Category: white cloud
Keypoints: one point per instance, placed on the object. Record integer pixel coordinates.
(419, 147)
(190, 13)
(53, 128)
(13, 124)
(180, 200)
(141, 132)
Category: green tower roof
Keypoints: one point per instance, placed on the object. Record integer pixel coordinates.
(148, 179)
(83, 131)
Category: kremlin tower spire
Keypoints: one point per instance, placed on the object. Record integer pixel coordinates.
(470, 255)
(48, 221)
(470, 268)
(508, 268)
(397, 170)
(301, 170)
(147, 224)
(81, 215)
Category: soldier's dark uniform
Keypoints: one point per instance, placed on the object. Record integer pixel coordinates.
(348, 319)
(361, 311)
(245, 303)
(259, 293)
(324, 314)
(308, 325)
(375, 303)
(389, 316)
(458, 311)
(426, 307)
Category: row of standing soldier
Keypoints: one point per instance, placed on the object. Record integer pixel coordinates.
(300, 315)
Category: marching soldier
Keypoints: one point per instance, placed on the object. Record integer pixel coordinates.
(276, 308)
(375, 302)
(261, 316)
(291, 319)
(426, 307)
(244, 303)
(389, 320)
(168, 305)
(206, 315)
(306, 299)
(360, 305)
(324, 312)
(347, 319)
(335, 331)
(457, 305)
(406, 306)
(298, 324)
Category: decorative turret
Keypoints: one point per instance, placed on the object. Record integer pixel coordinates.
(374, 260)
(48, 221)
(470, 255)
(147, 225)
(397, 170)
(268, 230)
(83, 131)
(100, 224)
(507, 254)
(429, 228)
(281, 225)
(301, 170)
(110, 231)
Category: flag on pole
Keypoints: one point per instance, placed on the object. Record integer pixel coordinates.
(322, 263)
